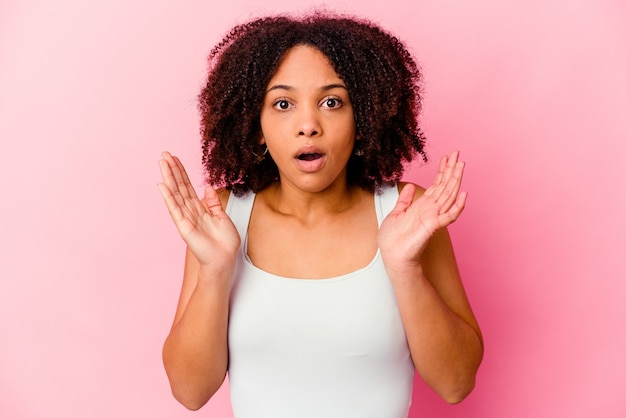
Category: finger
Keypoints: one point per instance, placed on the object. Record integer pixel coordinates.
(446, 165)
(183, 224)
(455, 210)
(448, 169)
(213, 203)
(438, 177)
(168, 179)
(453, 158)
(451, 162)
(177, 174)
(185, 177)
(177, 180)
(405, 199)
(450, 193)
(191, 200)
(172, 185)
(172, 205)
(168, 168)
(166, 171)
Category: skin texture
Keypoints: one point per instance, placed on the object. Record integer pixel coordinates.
(306, 109)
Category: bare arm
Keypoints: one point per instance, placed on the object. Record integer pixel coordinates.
(444, 337)
(195, 353)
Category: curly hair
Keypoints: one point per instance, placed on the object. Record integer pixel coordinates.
(382, 78)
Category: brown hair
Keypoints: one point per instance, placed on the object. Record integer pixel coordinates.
(382, 79)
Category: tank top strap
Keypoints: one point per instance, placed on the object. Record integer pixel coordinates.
(386, 200)
(239, 209)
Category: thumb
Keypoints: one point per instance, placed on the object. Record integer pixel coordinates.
(404, 199)
(213, 203)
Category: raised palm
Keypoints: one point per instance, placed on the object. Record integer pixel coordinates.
(206, 228)
(405, 232)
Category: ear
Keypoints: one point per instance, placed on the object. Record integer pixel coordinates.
(262, 140)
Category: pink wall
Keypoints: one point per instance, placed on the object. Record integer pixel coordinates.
(532, 92)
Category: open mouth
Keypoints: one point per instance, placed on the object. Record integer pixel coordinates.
(310, 156)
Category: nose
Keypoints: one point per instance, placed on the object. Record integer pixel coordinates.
(308, 123)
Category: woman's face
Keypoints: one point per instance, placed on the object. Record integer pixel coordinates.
(307, 121)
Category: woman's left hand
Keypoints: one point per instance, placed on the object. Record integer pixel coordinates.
(405, 232)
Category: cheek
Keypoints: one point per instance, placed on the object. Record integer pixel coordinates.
(270, 125)
(350, 128)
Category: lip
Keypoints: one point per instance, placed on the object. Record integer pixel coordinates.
(309, 159)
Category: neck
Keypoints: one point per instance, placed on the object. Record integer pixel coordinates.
(309, 206)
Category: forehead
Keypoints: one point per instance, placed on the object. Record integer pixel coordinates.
(304, 64)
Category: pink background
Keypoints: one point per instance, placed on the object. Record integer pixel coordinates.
(532, 92)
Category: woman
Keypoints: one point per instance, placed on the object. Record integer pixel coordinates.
(312, 276)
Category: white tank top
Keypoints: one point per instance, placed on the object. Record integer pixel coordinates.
(319, 348)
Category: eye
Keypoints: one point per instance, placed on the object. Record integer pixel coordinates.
(332, 102)
(281, 104)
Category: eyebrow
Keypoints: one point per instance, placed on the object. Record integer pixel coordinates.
(290, 88)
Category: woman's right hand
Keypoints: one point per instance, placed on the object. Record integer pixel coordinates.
(208, 231)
